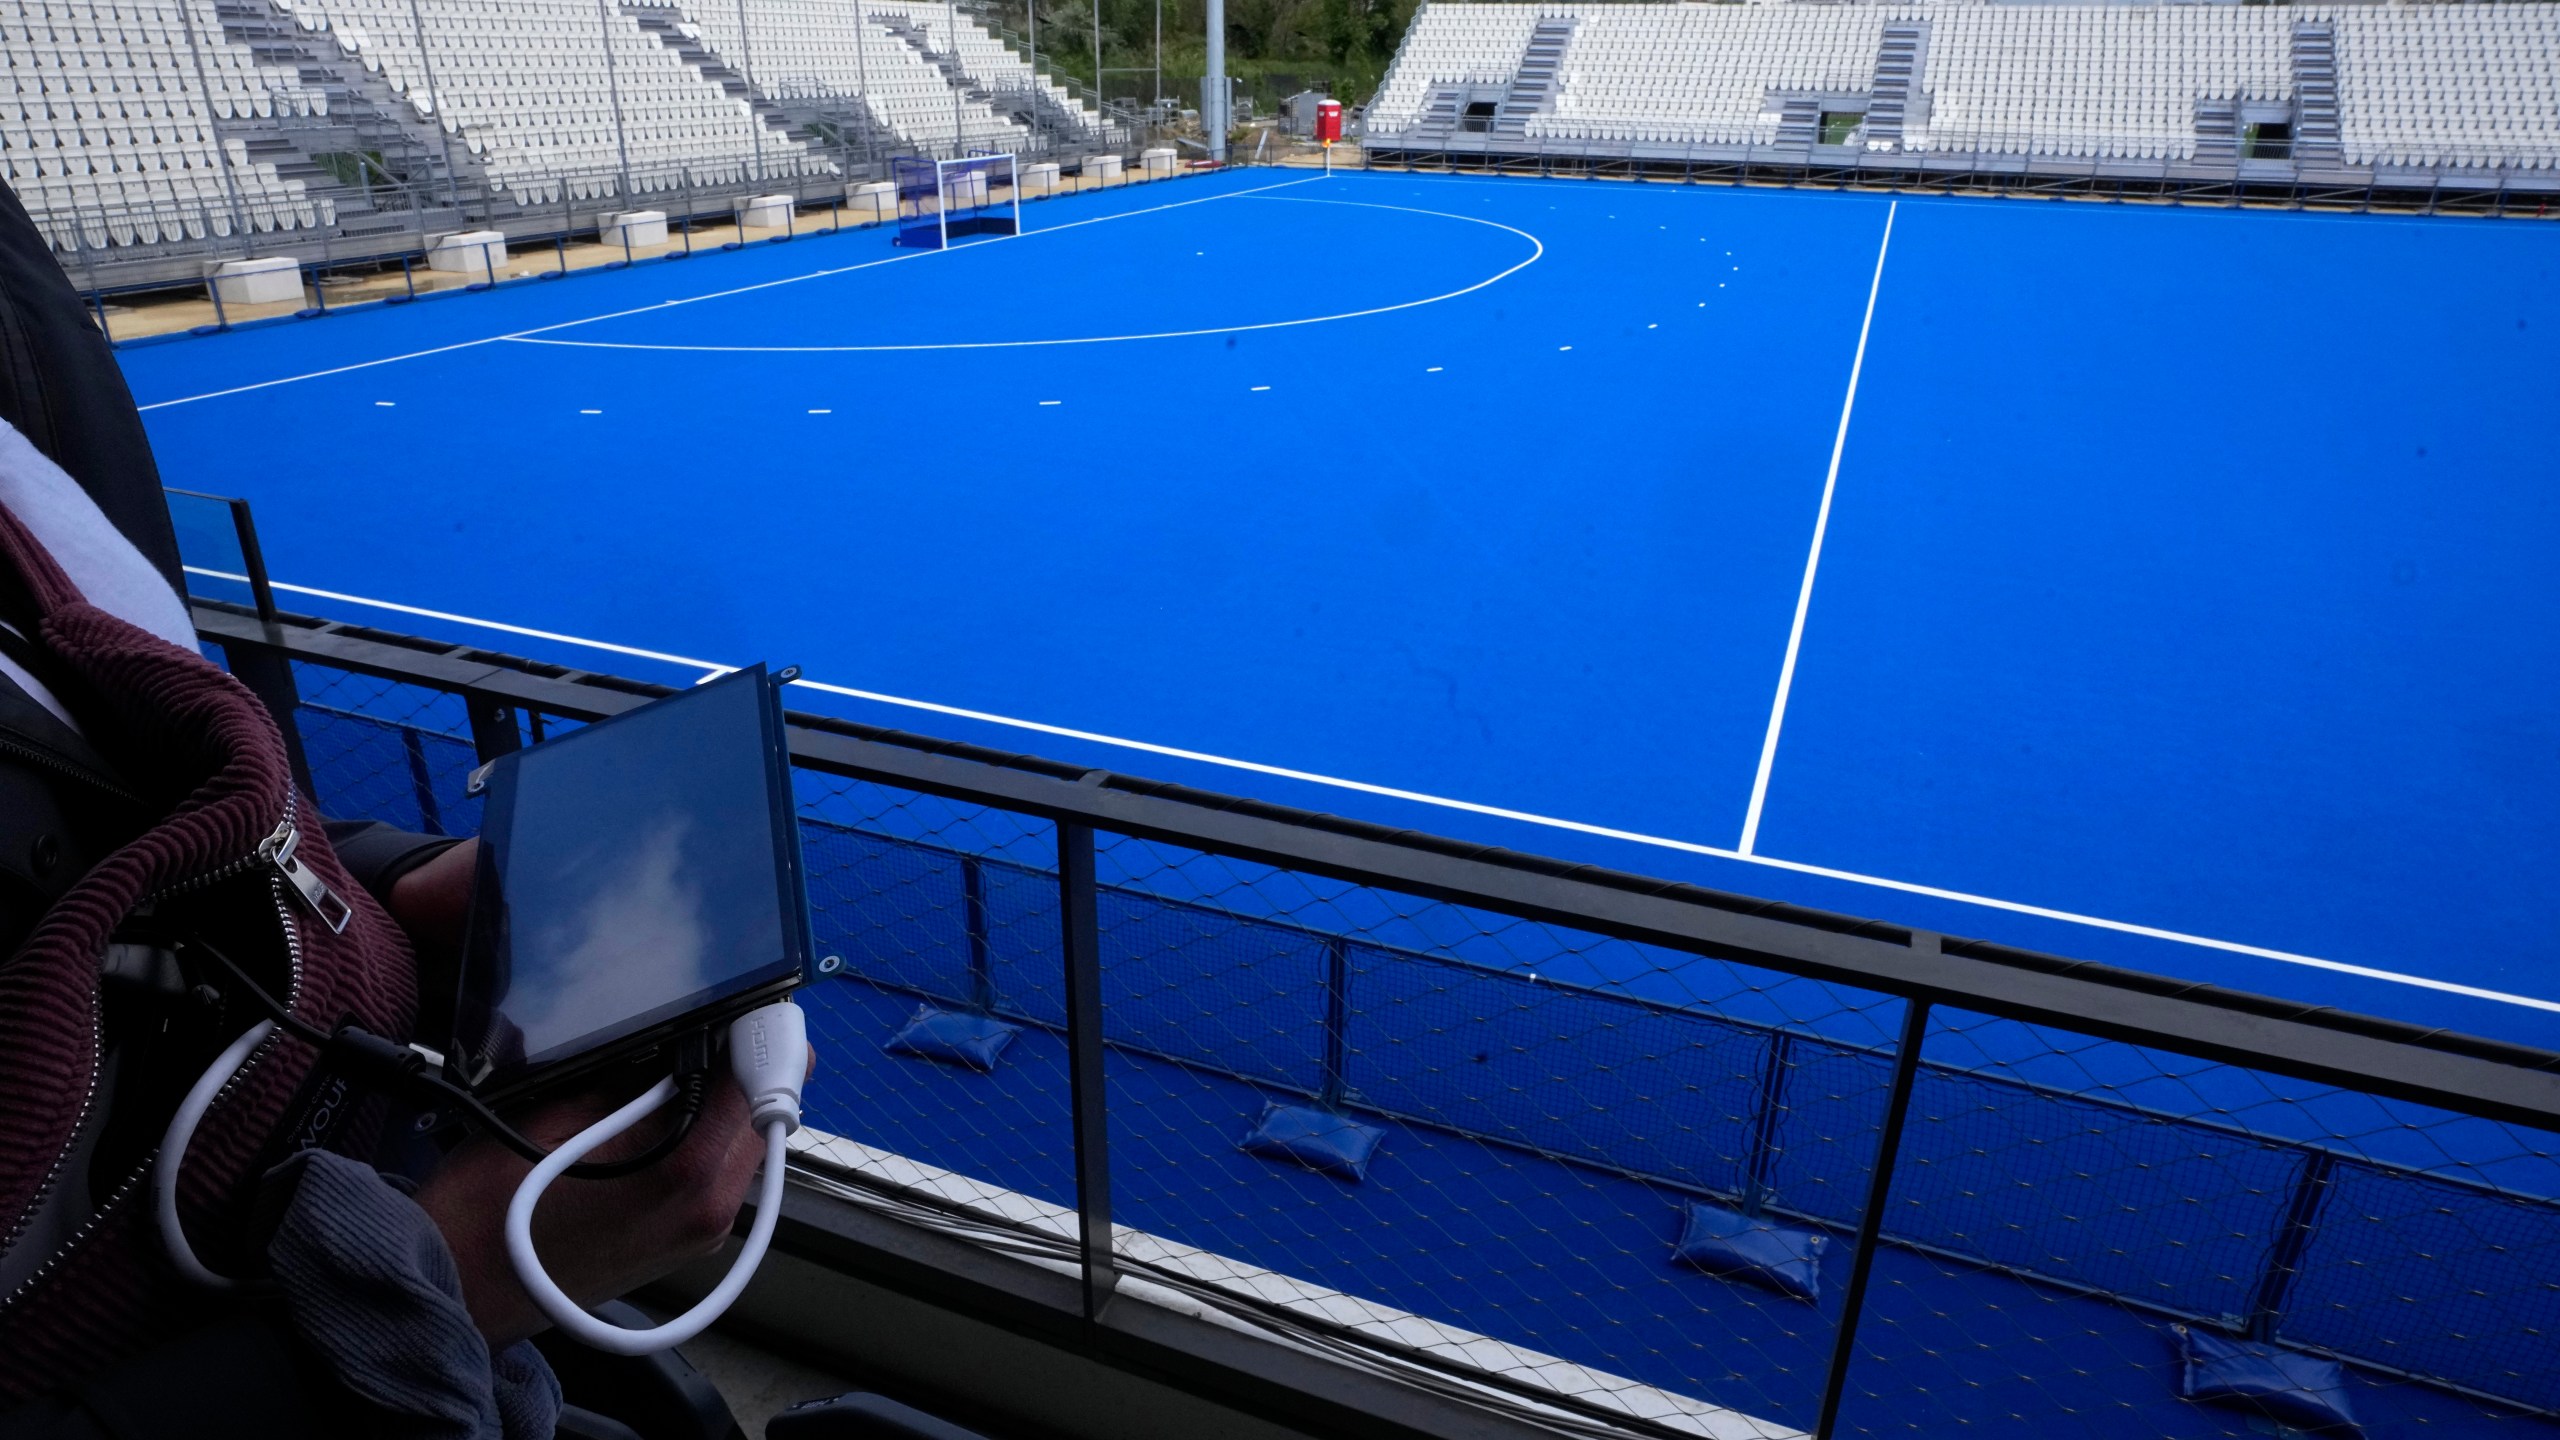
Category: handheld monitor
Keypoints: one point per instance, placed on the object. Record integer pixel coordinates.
(638, 879)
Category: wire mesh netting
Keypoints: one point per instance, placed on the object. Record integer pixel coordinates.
(1626, 1176)
(383, 750)
(2065, 1212)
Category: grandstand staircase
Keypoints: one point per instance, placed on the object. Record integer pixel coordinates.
(1799, 122)
(818, 128)
(1086, 114)
(948, 62)
(2218, 132)
(1533, 85)
(2315, 94)
(379, 166)
(1440, 115)
(1900, 54)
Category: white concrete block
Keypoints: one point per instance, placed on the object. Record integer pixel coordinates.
(271, 280)
(765, 212)
(1103, 167)
(875, 202)
(1159, 162)
(1040, 179)
(481, 254)
(636, 228)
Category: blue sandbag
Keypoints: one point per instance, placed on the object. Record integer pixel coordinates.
(953, 1037)
(1725, 1242)
(2287, 1386)
(1318, 1139)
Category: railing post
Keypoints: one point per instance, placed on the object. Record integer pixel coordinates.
(494, 731)
(973, 906)
(1337, 1022)
(1906, 1068)
(253, 561)
(1079, 929)
(1763, 1159)
(268, 674)
(422, 781)
(2284, 1258)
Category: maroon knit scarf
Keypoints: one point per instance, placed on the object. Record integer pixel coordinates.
(218, 761)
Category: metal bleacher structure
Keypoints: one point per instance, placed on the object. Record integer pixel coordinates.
(2452, 104)
(150, 136)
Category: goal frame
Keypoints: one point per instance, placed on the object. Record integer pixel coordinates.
(949, 220)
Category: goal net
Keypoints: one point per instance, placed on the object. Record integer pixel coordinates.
(943, 201)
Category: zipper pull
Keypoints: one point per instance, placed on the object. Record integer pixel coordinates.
(324, 902)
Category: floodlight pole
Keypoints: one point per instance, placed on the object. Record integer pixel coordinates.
(862, 72)
(1156, 96)
(1097, 51)
(959, 142)
(230, 183)
(1213, 86)
(613, 88)
(747, 69)
(444, 139)
(1032, 9)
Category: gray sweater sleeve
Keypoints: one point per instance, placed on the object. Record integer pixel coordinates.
(369, 1286)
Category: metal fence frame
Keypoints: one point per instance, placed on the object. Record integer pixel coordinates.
(2467, 1075)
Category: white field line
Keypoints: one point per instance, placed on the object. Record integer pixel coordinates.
(698, 299)
(1813, 557)
(709, 668)
(1470, 807)
(1537, 251)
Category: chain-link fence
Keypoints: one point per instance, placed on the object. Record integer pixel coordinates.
(1640, 1158)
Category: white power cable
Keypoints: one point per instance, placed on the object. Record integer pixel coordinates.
(173, 1154)
(769, 1053)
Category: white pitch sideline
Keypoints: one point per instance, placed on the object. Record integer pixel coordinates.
(711, 668)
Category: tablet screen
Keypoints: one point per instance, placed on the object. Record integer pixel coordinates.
(630, 872)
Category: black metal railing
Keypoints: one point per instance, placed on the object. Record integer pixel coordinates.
(2019, 1178)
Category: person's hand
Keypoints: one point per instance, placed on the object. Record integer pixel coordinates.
(597, 1238)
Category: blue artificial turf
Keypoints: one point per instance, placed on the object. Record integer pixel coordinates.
(2139, 599)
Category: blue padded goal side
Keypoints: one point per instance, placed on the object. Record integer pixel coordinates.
(953, 1037)
(1322, 1140)
(2286, 1386)
(1746, 1247)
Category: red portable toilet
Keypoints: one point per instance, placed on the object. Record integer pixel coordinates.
(1328, 120)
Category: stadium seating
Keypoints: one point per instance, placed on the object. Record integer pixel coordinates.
(127, 123)
(2473, 84)
(988, 61)
(107, 125)
(806, 48)
(2378, 86)
(527, 85)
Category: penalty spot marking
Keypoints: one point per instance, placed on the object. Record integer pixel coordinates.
(713, 669)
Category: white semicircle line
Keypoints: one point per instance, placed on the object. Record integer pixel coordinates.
(714, 295)
(1537, 252)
